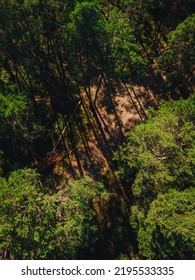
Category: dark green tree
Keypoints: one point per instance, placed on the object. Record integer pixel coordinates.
(176, 62)
(125, 53)
(88, 40)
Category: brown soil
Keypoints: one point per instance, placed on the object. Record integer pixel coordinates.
(125, 107)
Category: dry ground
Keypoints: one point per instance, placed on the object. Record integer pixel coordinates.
(125, 107)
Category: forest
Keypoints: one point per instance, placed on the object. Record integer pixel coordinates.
(97, 139)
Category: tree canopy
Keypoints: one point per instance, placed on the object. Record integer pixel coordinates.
(157, 148)
(177, 60)
(38, 225)
(96, 128)
(168, 232)
(152, 164)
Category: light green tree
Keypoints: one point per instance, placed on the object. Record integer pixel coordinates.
(168, 230)
(154, 156)
(39, 225)
(158, 157)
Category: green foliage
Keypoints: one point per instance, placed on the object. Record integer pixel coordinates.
(102, 44)
(14, 115)
(87, 38)
(157, 149)
(19, 128)
(51, 51)
(35, 225)
(177, 60)
(79, 226)
(158, 163)
(12, 107)
(21, 199)
(152, 20)
(168, 230)
(125, 52)
(17, 114)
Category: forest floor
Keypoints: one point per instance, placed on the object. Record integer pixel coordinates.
(118, 112)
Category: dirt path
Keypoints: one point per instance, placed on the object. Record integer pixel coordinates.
(118, 111)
